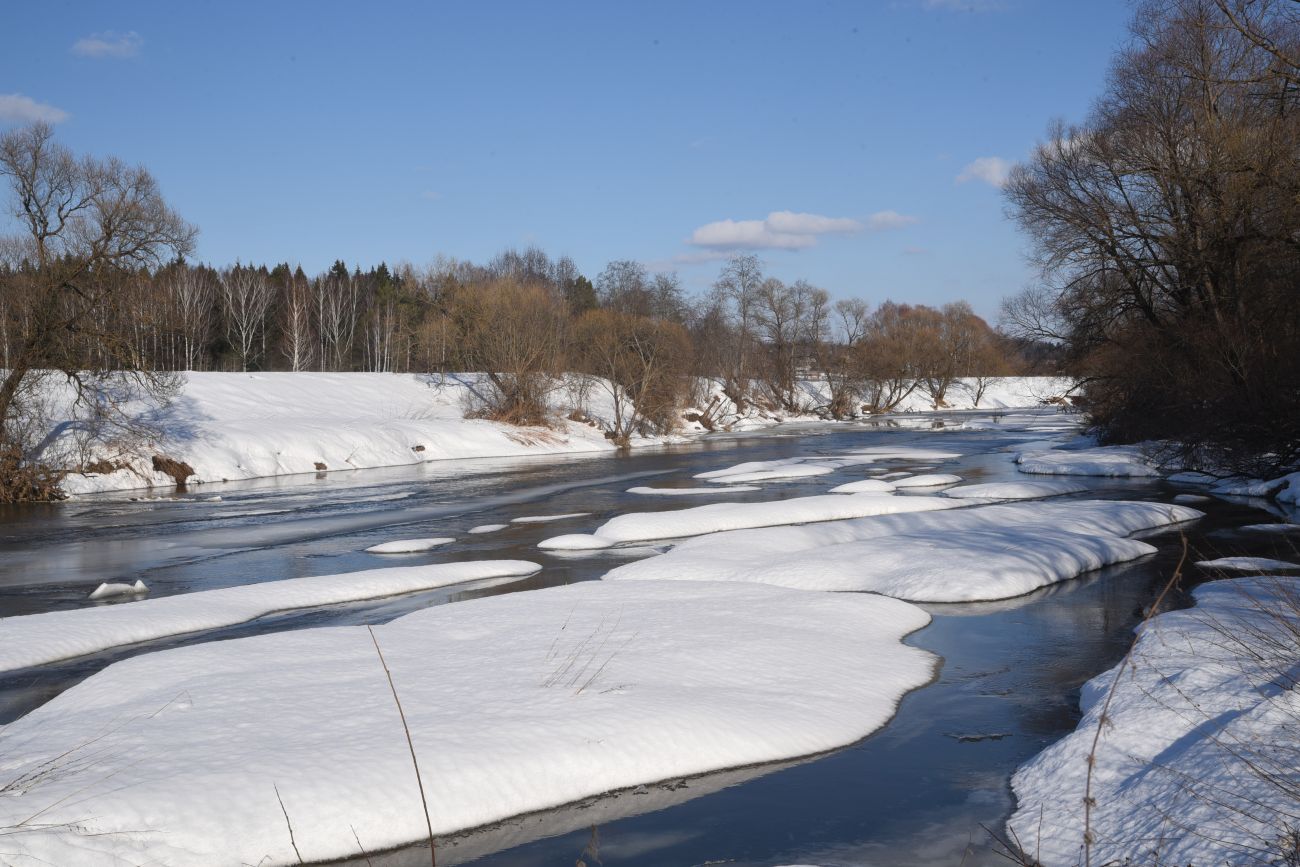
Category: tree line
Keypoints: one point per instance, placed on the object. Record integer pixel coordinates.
(97, 286)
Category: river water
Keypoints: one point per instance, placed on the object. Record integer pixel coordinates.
(920, 791)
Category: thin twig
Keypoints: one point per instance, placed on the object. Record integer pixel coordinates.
(433, 857)
(292, 842)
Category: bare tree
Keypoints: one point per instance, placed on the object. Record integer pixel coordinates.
(85, 223)
(246, 298)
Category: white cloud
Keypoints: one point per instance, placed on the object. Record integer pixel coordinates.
(882, 221)
(788, 230)
(16, 108)
(993, 171)
(110, 44)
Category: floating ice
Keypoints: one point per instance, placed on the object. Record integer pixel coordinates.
(109, 589)
(1248, 564)
(688, 492)
(408, 546)
(487, 528)
(545, 519)
(864, 486)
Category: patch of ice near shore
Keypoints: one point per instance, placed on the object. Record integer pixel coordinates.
(1208, 708)
(1114, 461)
(408, 546)
(983, 553)
(183, 756)
(37, 639)
(715, 517)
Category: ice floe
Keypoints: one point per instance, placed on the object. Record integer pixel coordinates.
(110, 589)
(486, 528)
(1195, 762)
(546, 519)
(929, 480)
(980, 553)
(196, 755)
(715, 517)
(36, 639)
(864, 486)
(409, 546)
(1015, 490)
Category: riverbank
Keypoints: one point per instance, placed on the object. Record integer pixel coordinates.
(234, 426)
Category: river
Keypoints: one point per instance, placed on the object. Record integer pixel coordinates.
(922, 790)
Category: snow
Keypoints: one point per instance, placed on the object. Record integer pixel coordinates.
(980, 553)
(249, 425)
(864, 486)
(1208, 706)
(1015, 490)
(486, 528)
(691, 492)
(110, 589)
(1250, 487)
(715, 517)
(1191, 498)
(36, 639)
(1247, 564)
(183, 757)
(409, 546)
(1192, 478)
(1114, 461)
(1290, 492)
(546, 519)
(906, 453)
(762, 471)
(930, 480)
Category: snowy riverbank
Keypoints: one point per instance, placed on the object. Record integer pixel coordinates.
(230, 426)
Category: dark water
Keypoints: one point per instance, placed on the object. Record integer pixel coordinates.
(917, 792)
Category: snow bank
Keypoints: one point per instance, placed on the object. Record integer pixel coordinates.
(409, 546)
(36, 639)
(981, 553)
(1015, 490)
(184, 757)
(715, 517)
(250, 425)
(1105, 461)
(1206, 711)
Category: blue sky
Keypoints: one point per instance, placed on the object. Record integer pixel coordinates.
(856, 145)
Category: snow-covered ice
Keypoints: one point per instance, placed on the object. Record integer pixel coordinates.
(715, 517)
(864, 486)
(906, 453)
(1191, 498)
(36, 639)
(486, 528)
(409, 546)
(109, 589)
(1015, 490)
(546, 519)
(1248, 564)
(929, 480)
(1206, 712)
(979, 553)
(1115, 461)
(764, 471)
(690, 492)
(1272, 528)
(184, 757)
